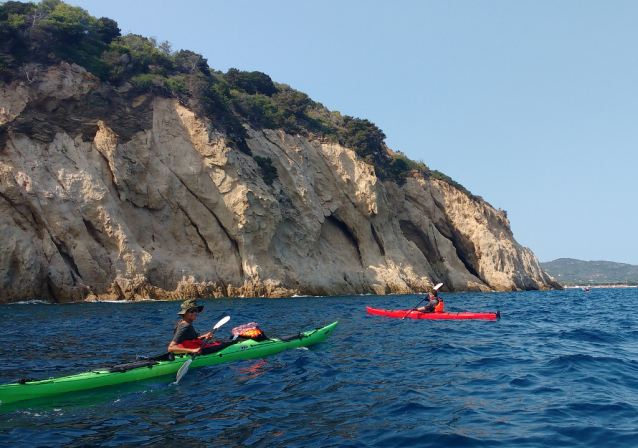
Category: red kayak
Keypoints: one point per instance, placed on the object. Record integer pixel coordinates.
(443, 315)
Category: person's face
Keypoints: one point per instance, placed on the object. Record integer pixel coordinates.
(192, 314)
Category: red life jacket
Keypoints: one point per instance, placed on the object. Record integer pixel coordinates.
(439, 307)
(192, 343)
(197, 343)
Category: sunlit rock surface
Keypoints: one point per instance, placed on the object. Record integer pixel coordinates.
(108, 195)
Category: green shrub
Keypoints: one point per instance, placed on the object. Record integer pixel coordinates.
(148, 82)
(268, 171)
(176, 84)
(214, 101)
(257, 109)
(399, 168)
(190, 62)
(293, 101)
(52, 31)
(6, 73)
(363, 136)
(251, 82)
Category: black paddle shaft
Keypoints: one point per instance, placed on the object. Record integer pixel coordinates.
(417, 305)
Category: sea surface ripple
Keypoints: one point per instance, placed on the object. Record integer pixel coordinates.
(560, 368)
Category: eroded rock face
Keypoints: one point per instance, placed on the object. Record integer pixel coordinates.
(107, 195)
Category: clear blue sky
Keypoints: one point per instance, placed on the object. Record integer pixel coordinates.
(532, 105)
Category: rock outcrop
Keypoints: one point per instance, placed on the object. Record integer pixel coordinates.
(105, 194)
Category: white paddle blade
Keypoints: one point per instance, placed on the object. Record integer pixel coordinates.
(221, 322)
(436, 288)
(182, 370)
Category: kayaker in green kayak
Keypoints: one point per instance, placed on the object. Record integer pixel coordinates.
(185, 338)
(156, 366)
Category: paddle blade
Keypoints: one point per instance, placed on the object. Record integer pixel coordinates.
(221, 322)
(182, 370)
(436, 288)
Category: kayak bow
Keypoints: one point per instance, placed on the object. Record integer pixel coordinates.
(141, 370)
(434, 316)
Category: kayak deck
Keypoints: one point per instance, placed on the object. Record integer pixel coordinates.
(434, 316)
(247, 349)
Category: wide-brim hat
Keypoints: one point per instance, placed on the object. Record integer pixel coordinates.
(189, 304)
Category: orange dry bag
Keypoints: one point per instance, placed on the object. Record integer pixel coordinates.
(252, 333)
(249, 331)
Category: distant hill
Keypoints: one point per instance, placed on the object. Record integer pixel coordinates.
(569, 270)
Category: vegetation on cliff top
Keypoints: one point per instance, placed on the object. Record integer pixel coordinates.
(52, 31)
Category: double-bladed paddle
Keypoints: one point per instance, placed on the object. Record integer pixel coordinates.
(436, 288)
(182, 370)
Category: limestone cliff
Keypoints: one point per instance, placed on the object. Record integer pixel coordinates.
(107, 194)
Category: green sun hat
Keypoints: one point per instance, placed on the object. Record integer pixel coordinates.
(190, 304)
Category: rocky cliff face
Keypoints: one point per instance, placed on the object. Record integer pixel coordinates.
(108, 195)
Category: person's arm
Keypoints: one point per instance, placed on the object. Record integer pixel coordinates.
(175, 348)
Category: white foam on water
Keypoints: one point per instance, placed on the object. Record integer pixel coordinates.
(116, 301)
(31, 302)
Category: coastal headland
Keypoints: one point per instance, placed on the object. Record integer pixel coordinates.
(160, 178)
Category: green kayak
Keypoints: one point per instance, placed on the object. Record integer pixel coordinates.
(153, 367)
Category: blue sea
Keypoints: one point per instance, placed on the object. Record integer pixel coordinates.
(560, 368)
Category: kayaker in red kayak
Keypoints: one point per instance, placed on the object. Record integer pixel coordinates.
(185, 338)
(434, 305)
